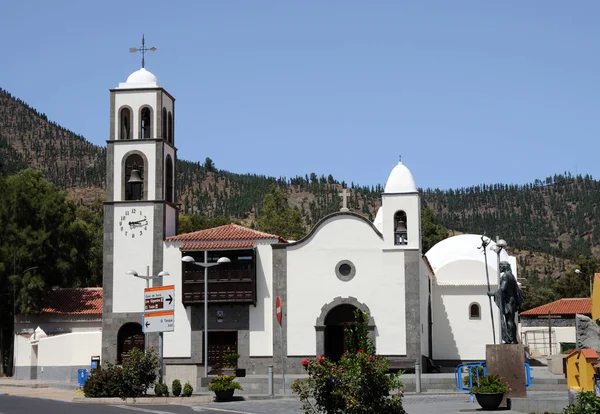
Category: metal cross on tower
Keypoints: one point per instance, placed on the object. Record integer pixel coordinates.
(142, 49)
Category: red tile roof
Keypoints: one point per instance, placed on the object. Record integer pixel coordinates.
(589, 353)
(569, 306)
(73, 301)
(218, 246)
(227, 232)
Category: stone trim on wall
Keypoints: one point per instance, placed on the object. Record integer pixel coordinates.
(412, 303)
(320, 322)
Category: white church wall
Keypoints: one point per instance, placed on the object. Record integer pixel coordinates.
(178, 344)
(135, 100)
(148, 149)
(456, 335)
(261, 316)
(128, 291)
(312, 283)
(58, 323)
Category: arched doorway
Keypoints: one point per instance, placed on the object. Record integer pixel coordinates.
(336, 321)
(130, 336)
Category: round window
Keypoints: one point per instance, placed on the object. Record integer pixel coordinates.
(345, 270)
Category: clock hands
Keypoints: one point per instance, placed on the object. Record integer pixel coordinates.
(131, 223)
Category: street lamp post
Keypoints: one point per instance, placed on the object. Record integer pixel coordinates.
(205, 265)
(160, 342)
(579, 272)
(500, 244)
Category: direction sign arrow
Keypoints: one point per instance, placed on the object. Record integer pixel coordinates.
(159, 298)
(159, 322)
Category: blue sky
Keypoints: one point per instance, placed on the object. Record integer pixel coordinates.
(467, 92)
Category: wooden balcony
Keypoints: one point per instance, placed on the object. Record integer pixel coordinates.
(226, 284)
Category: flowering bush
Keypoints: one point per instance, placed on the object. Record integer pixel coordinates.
(491, 383)
(358, 384)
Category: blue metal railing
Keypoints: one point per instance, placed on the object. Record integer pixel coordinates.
(472, 371)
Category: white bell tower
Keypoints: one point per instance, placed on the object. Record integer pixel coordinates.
(140, 211)
(401, 206)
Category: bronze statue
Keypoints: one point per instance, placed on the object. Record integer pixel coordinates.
(509, 299)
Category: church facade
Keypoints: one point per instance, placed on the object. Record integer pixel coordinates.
(345, 263)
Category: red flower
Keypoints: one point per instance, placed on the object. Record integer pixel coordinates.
(321, 359)
(360, 351)
(305, 363)
(371, 358)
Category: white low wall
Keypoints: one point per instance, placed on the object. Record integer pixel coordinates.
(56, 358)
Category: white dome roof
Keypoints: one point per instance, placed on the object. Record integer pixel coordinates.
(400, 181)
(140, 79)
(464, 247)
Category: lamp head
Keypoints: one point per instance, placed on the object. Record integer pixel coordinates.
(188, 259)
(223, 260)
(577, 271)
(131, 273)
(163, 274)
(501, 243)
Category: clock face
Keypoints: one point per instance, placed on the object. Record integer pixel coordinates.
(133, 223)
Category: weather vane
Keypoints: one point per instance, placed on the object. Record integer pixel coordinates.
(142, 49)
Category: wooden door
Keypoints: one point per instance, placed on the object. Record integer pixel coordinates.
(219, 344)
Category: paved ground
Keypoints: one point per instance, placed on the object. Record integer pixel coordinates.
(413, 404)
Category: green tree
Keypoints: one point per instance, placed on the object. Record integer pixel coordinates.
(432, 231)
(278, 218)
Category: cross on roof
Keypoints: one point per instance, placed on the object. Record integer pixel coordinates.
(344, 194)
(142, 49)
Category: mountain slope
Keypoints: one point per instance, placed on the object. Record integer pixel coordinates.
(551, 222)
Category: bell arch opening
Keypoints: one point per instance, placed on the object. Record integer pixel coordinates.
(146, 122)
(169, 196)
(125, 123)
(400, 229)
(134, 182)
(170, 127)
(130, 336)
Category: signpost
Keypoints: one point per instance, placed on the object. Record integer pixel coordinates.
(159, 322)
(279, 314)
(160, 299)
(159, 316)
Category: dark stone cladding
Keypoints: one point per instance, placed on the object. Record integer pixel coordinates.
(135, 141)
(542, 322)
(279, 289)
(112, 322)
(412, 303)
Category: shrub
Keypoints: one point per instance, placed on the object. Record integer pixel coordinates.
(187, 389)
(587, 403)
(132, 379)
(224, 383)
(358, 384)
(161, 390)
(103, 383)
(491, 383)
(232, 360)
(176, 388)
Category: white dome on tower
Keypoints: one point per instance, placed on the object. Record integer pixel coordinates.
(400, 181)
(140, 79)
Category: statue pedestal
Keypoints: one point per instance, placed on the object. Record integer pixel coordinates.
(508, 361)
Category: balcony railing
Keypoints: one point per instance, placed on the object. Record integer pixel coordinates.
(225, 285)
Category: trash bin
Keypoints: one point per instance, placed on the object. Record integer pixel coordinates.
(82, 376)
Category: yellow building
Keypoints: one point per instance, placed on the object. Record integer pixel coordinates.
(580, 369)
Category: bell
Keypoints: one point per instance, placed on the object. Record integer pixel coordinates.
(135, 178)
(401, 226)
